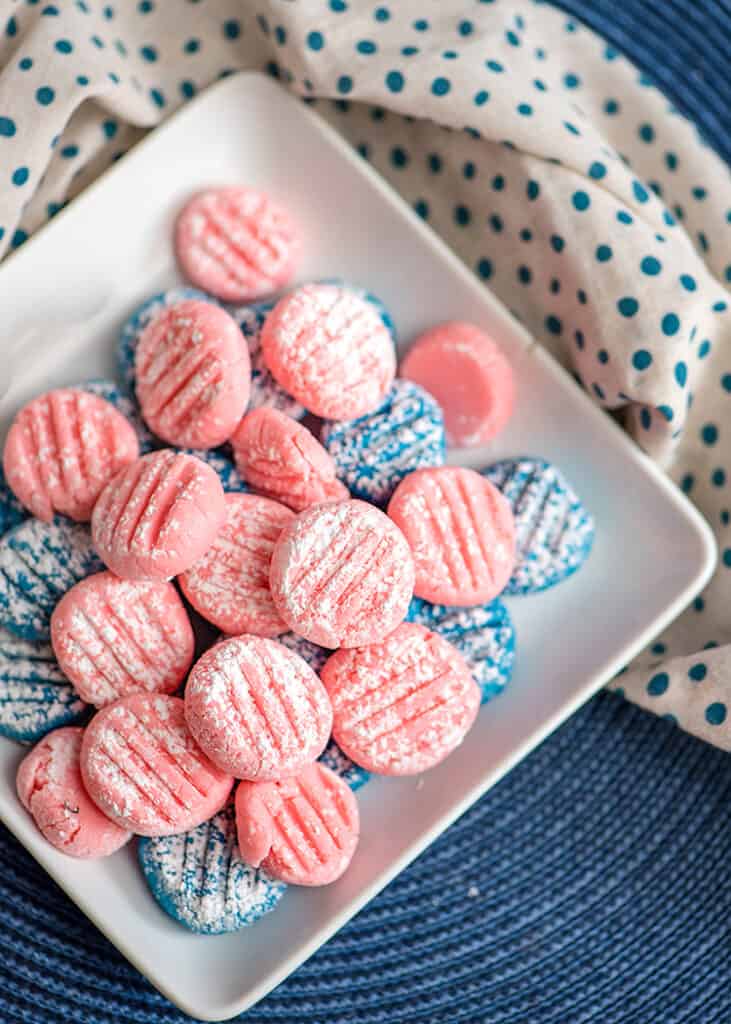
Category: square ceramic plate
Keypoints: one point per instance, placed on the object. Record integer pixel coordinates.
(652, 555)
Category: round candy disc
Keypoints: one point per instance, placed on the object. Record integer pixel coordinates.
(142, 767)
(281, 459)
(192, 371)
(400, 706)
(50, 788)
(229, 585)
(237, 243)
(302, 830)
(342, 574)
(113, 637)
(158, 516)
(330, 349)
(62, 449)
(461, 533)
(257, 709)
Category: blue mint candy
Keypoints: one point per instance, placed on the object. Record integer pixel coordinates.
(39, 562)
(363, 293)
(200, 880)
(135, 325)
(264, 389)
(554, 531)
(375, 452)
(109, 391)
(11, 511)
(220, 460)
(35, 696)
(484, 635)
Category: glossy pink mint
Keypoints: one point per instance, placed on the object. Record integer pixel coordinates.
(49, 787)
(62, 449)
(342, 574)
(113, 637)
(329, 348)
(229, 585)
(143, 769)
(469, 376)
(158, 516)
(236, 243)
(461, 532)
(301, 830)
(193, 374)
(281, 459)
(400, 706)
(257, 708)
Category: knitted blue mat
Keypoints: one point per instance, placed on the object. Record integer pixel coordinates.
(591, 885)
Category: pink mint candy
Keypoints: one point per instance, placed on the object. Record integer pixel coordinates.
(158, 516)
(143, 769)
(257, 709)
(402, 705)
(469, 376)
(49, 787)
(236, 243)
(301, 830)
(113, 637)
(281, 459)
(229, 585)
(62, 450)
(342, 574)
(193, 374)
(461, 532)
(329, 348)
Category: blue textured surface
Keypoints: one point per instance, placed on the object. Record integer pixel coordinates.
(11, 511)
(375, 452)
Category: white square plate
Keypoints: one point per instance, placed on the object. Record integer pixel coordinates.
(652, 555)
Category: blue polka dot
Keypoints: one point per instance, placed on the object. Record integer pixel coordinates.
(646, 132)
(668, 218)
(382, 14)
(704, 348)
(532, 190)
(399, 156)
(109, 128)
(642, 359)
(718, 477)
(481, 97)
(498, 182)
(434, 162)
(466, 28)
(603, 356)
(658, 648)
(686, 484)
(611, 107)
(526, 234)
(157, 97)
(422, 208)
(581, 200)
(709, 433)
(395, 81)
(494, 65)
(727, 558)
(344, 84)
(7, 127)
(603, 253)
(148, 53)
(571, 128)
(525, 275)
(82, 80)
(658, 684)
(650, 266)
(628, 305)
(441, 86)
(366, 46)
(462, 215)
(726, 382)
(64, 45)
(338, 6)
(496, 222)
(11, 28)
(187, 89)
(557, 243)
(45, 95)
(25, 64)
(553, 324)
(718, 307)
(19, 236)
(597, 170)
(666, 411)
(20, 175)
(699, 193)
(69, 152)
(232, 29)
(484, 269)
(280, 35)
(681, 373)
(640, 192)
(571, 81)
(670, 324)
(192, 46)
(145, 6)
(421, 25)
(99, 43)
(579, 336)
(525, 109)
(645, 419)
(409, 51)
(469, 170)
(716, 713)
(688, 282)
(540, 85)
(315, 40)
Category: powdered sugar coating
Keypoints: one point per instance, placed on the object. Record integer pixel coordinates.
(158, 516)
(342, 574)
(113, 637)
(265, 392)
(229, 584)
(302, 830)
(61, 451)
(11, 511)
(375, 452)
(402, 705)
(554, 533)
(330, 349)
(368, 296)
(50, 787)
(484, 635)
(281, 459)
(461, 533)
(39, 562)
(109, 391)
(256, 708)
(192, 370)
(35, 696)
(138, 321)
(237, 243)
(143, 769)
(223, 465)
(199, 878)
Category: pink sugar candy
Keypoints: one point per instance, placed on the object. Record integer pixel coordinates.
(193, 374)
(468, 375)
(61, 451)
(143, 769)
(281, 459)
(330, 349)
(236, 243)
(301, 830)
(257, 709)
(461, 532)
(400, 706)
(229, 585)
(113, 637)
(158, 516)
(342, 574)
(50, 788)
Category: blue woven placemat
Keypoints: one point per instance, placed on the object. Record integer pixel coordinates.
(591, 886)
